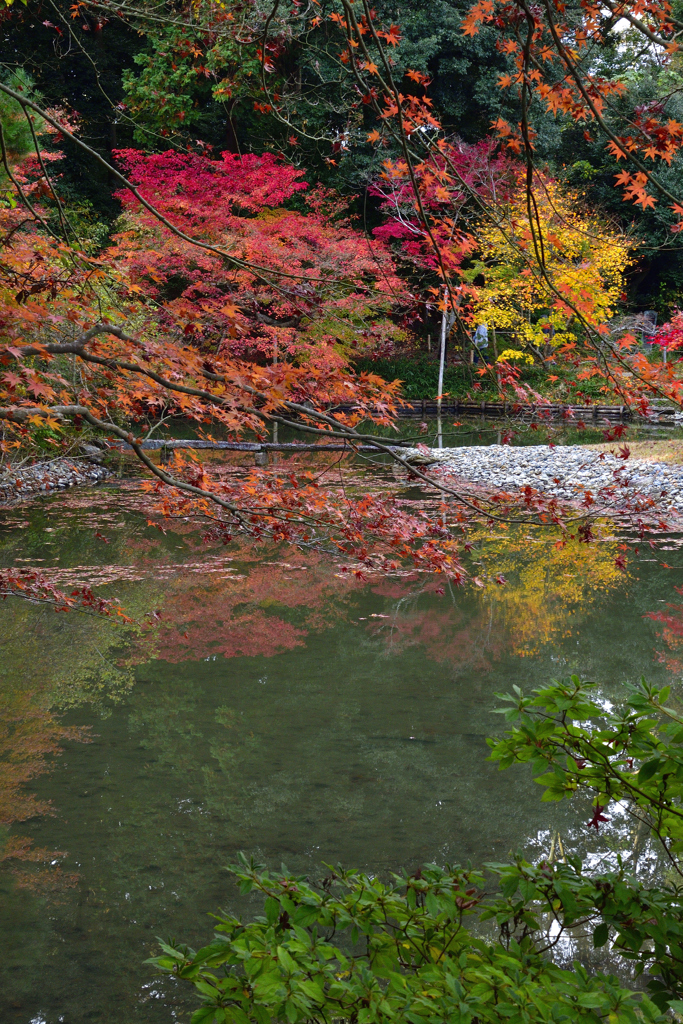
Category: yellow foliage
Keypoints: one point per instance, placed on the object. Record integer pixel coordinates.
(515, 355)
(584, 262)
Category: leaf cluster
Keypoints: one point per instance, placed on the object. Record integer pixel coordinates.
(629, 757)
(358, 948)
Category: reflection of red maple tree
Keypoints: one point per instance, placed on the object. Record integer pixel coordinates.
(447, 635)
(244, 616)
(671, 620)
(199, 631)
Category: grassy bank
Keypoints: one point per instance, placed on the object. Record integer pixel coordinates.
(420, 377)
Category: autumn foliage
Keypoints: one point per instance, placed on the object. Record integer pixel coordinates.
(83, 343)
(309, 284)
(535, 305)
(233, 293)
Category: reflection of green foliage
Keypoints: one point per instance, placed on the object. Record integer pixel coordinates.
(75, 658)
(79, 657)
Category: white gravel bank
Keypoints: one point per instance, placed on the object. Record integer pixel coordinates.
(45, 477)
(565, 472)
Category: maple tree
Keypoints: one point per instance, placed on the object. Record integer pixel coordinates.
(486, 174)
(75, 308)
(669, 337)
(68, 304)
(309, 285)
(203, 275)
(101, 341)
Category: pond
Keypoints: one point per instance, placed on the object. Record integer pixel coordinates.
(265, 701)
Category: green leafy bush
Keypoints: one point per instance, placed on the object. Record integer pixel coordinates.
(438, 945)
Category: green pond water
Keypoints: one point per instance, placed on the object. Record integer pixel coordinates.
(265, 702)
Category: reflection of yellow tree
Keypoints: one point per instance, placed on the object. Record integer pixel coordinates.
(548, 582)
(549, 586)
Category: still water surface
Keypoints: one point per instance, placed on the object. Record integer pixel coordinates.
(265, 702)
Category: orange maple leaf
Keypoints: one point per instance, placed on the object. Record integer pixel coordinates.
(616, 151)
(644, 199)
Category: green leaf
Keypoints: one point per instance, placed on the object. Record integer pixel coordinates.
(432, 904)
(649, 769)
(272, 909)
(592, 1000)
(305, 915)
(204, 1015)
(286, 960)
(312, 991)
(600, 935)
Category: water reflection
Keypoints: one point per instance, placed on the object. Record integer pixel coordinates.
(264, 702)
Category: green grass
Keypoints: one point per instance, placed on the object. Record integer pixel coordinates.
(420, 377)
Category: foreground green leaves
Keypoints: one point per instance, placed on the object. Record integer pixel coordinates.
(358, 948)
(445, 944)
(631, 756)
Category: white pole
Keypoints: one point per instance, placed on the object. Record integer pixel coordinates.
(442, 360)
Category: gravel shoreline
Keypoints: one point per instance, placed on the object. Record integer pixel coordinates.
(44, 477)
(566, 472)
